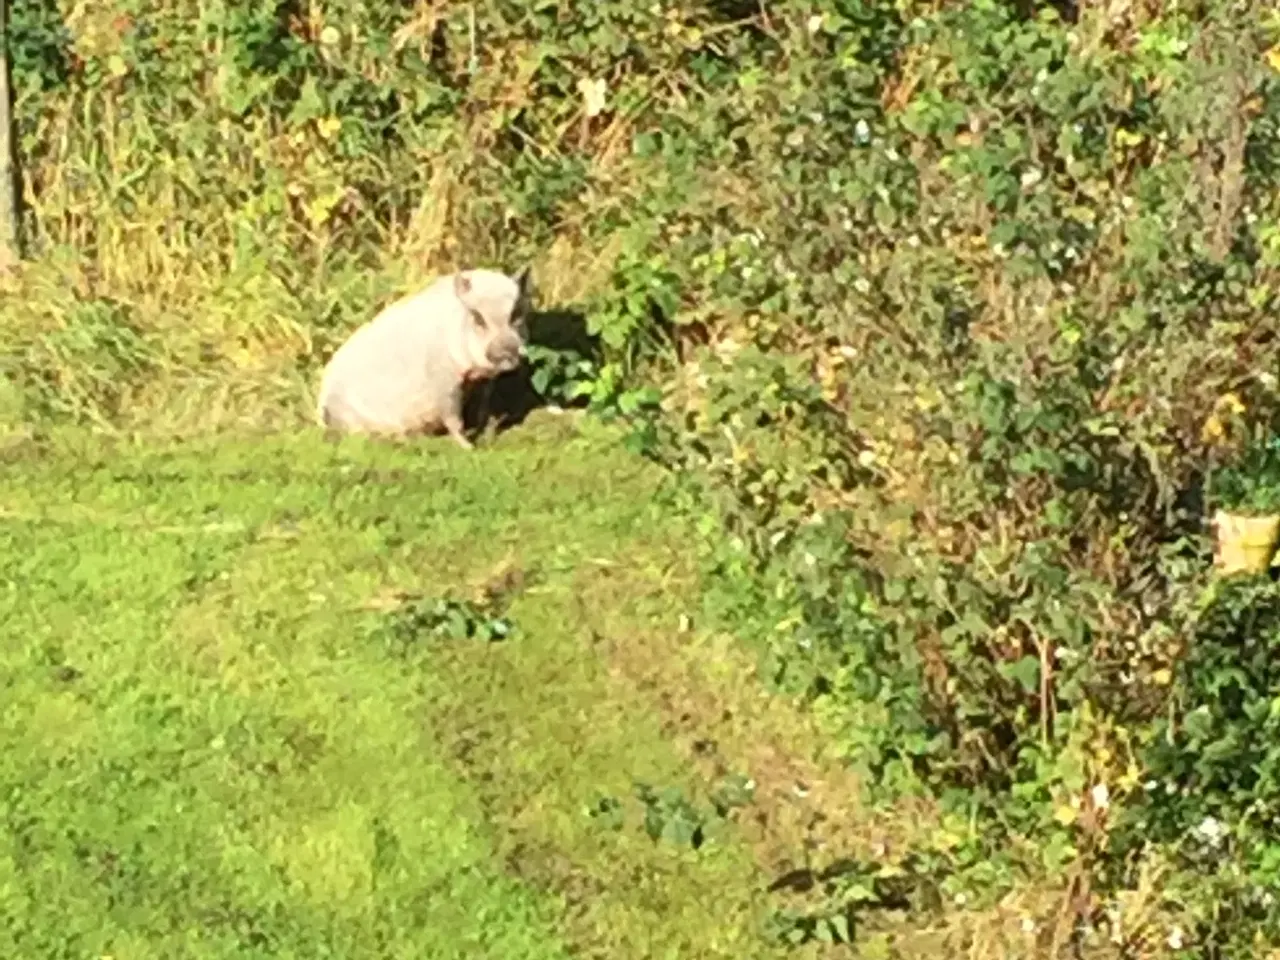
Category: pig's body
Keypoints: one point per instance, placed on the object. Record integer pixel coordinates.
(406, 372)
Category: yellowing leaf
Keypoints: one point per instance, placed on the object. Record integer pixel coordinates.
(329, 126)
(947, 840)
(1065, 815)
(320, 208)
(1231, 402)
(1273, 58)
(1130, 778)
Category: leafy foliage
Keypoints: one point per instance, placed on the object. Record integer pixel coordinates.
(445, 618)
(1252, 483)
(671, 817)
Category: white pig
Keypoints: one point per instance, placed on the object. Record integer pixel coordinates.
(406, 372)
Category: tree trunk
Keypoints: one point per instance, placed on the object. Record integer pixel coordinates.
(9, 251)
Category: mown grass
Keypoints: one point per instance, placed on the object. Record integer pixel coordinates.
(209, 748)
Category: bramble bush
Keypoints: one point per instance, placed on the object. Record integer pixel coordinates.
(941, 314)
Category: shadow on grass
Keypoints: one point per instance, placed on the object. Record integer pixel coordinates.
(513, 395)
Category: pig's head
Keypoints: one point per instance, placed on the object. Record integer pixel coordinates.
(497, 309)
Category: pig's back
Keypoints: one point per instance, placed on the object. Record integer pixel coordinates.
(392, 375)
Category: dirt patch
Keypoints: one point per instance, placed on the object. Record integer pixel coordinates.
(806, 806)
(806, 814)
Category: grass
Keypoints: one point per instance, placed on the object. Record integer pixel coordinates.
(210, 748)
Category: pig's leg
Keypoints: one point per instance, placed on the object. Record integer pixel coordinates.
(454, 425)
(484, 406)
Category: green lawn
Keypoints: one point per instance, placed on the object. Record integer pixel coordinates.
(210, 748)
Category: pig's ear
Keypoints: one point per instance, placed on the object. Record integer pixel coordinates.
(524, 281)
(461, 284)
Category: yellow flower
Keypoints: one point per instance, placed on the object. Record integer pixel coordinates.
(329, 126)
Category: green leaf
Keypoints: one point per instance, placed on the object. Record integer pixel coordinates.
(310, 103)
(840, 926)
(1025, 671)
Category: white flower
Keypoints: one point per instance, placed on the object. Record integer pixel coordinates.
(1211, 831)
(1175, 938)
(867, 458)
(862, 131)
(1101, 796)
(593, 96)
(1031, 177)
(815, 23)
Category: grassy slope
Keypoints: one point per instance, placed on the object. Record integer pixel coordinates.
(209, 750)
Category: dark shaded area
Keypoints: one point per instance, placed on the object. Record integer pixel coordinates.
(39, 46)
(1068, 10)
(563, 329)
(846, 894)
(515, 395)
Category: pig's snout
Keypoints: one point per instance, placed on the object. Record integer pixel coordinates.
(505, 353)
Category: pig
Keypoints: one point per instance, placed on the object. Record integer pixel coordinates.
(408, 370)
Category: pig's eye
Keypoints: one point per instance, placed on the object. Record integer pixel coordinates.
(478, 319)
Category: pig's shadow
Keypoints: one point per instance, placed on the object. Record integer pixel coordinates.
(513, 396)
